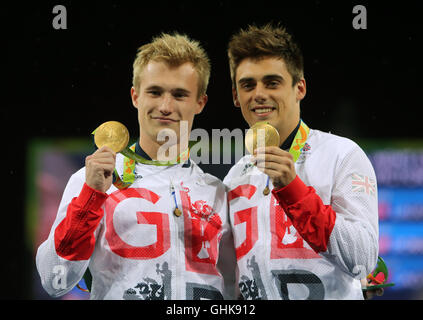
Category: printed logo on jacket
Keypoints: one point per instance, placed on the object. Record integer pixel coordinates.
(141, 230)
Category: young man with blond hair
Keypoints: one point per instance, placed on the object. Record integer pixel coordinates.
(163, 233)
(316, 234)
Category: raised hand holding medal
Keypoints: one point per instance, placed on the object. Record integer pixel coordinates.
(262, 141)
(100, 165)
(114, 136)
(110, 137)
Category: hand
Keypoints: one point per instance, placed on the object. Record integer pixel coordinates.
(369, 294)
(277, 164)
(99, 169)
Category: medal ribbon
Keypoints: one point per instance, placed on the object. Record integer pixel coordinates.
(295, 149)
(299, 141)
(131, 158)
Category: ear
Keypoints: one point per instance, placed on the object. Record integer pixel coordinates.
(235, 98)
(301, 89)
(201, 103)
(134, 97)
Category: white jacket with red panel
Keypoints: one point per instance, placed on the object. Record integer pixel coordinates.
(134, 245)
(316, 237)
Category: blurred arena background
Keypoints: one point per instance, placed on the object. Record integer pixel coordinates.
(61, 84)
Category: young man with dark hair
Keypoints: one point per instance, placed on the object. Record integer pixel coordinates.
(316, 234)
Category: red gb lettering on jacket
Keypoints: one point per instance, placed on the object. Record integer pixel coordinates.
(247, 216)
(159, 219)
(203, 231)
(286, 241)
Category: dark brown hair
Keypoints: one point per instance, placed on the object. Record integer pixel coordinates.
(266, 41)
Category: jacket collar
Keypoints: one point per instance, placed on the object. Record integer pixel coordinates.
(288, 142)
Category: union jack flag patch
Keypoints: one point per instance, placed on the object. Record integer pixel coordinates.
(364, 184)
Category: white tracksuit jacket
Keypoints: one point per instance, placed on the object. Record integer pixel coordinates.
(313, 239)
(134, 245)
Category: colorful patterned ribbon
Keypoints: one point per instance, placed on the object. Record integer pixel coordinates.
(131, 158)
(299, 141)
(295, 149)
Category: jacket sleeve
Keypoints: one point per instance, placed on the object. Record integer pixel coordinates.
(227, 263)
(345, 231)
(63, 258)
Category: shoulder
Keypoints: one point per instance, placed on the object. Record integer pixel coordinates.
(74, 184)
(239, 169)
(78, 177)
(205, 178)
(337, 150)
(331, 144)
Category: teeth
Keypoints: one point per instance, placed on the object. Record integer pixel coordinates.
(263, 110)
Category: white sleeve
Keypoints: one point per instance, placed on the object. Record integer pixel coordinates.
(227, 263)
(58, 274)
(353, 243)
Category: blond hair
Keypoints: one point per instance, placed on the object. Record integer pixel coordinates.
(175, 50)
(266, 41)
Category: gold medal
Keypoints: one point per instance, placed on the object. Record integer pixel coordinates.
(177, 212)
(112, 134)
(262, 134)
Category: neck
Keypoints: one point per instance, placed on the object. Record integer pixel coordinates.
(287, 134)
(159, 151)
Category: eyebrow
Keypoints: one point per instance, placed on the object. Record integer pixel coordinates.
(265, 78)
(154, 87)
(181, 91)
(273, 77)
(173, 91)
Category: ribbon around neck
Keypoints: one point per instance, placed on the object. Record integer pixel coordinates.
(299, 141)
(130, 160)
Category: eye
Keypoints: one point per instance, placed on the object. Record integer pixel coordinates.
(272, 84)
(154, 92)
(179, 95)
(247, 85)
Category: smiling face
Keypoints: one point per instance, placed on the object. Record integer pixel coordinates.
(167, 95)
(264, 92)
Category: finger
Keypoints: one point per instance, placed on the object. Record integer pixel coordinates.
(272, 150)
(275, 162)
(103, 157)
(270, 172)
(105, 165)
(276, 172)
(101, 160)
(272, 165)
(97, 167)
(87, 159)
(369, 295)
(105, 150)
(273, 158)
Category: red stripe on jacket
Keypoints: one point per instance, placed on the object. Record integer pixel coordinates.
(311, 218)
(74, 236)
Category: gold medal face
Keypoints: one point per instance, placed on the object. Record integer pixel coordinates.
(112, 134)
(177, 212)
(262, 134)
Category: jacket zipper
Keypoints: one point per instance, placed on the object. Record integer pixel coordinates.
(265, 204)
(176, 253)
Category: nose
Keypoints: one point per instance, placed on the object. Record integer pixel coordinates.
(260, 95)
(166, 105)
